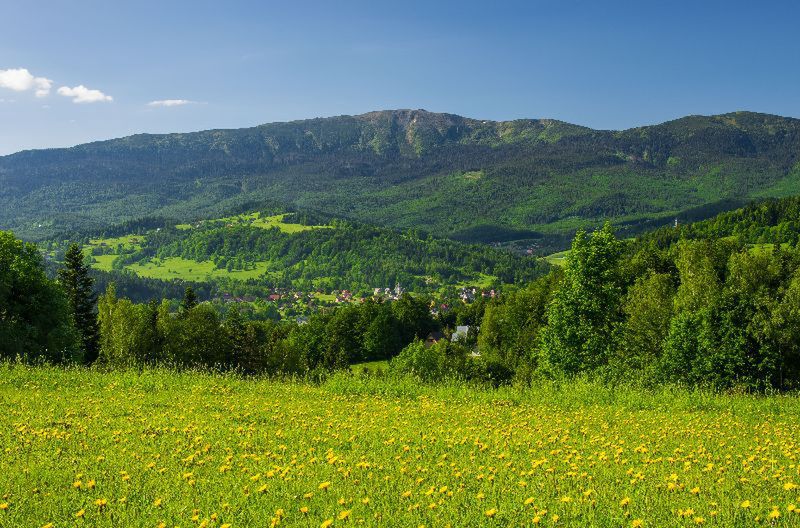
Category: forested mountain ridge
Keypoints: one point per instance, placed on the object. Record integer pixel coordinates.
(449, 175)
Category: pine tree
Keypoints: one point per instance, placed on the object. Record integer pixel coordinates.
(189, 300)
(78, 286)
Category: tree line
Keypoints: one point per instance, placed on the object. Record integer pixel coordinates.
(699, 311)
(710, 311)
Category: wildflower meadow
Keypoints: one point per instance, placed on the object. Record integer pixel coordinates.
(162, 449)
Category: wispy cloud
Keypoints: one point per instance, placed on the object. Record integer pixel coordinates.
(82, 94)
(21, 80)
(170, 102)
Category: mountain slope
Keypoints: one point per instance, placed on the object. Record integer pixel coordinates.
(262, 251)
(450, 175)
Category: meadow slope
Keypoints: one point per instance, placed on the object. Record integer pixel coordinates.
(163, 449)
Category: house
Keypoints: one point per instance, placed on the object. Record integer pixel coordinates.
(461, 333)
(468, 295)
(433, 338)
(274, 297)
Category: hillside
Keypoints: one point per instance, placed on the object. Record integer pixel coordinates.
(279, 251)
(760, 225)
(449, 175)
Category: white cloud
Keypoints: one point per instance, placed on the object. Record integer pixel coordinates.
(170, 102)
(21, 80)
(82, 94)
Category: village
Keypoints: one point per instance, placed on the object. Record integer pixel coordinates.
(297, 305)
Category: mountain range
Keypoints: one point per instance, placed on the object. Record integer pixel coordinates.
(467, 179)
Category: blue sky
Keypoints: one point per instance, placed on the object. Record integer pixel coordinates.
(94, 69)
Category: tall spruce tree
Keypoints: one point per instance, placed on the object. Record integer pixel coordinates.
(78, 285)
(189, 300)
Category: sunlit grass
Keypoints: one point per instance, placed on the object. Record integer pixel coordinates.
(191, 270)
(192, 449)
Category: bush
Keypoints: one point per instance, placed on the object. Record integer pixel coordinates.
(439, 361)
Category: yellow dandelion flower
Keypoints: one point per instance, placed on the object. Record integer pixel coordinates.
(745, 504)
(157, 503)
(325, 485)
(528, 501)
(637, 523)
(326, 523)
(4, 506)
(101, 503)
(344, 514)
(491, 512)
(537, 519)
(624, 502)
(694, 491)
(304, 510)
(774, 514)
(789, 486)
(80, 513)
(699, 520)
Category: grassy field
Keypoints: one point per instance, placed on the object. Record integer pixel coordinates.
(263, 222)
(162, 449)
(126, 241)
(103, 262)
(191, 270)
(481, 281)
(557, 259)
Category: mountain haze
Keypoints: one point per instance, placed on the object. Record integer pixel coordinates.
(446, 174)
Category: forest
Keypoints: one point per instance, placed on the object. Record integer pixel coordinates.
(456, 177)
(346, 256)
(250, 253)
(715, 303)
